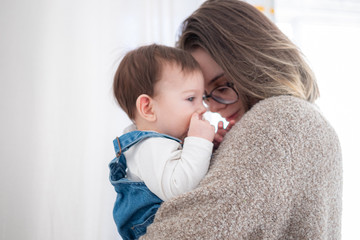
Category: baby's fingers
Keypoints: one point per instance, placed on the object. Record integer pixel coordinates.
(195, 116)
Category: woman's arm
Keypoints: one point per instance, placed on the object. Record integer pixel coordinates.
(276, 175)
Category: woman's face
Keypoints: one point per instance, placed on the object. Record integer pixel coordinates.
(214, 77)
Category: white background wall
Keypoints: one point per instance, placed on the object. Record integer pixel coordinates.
(58, 116)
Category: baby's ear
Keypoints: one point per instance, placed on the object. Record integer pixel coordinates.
(144, 107)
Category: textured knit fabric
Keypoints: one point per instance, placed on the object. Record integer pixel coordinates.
(276, 175)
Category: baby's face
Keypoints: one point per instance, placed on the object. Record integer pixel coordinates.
(177, 96)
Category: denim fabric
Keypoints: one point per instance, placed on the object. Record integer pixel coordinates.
(135, 204)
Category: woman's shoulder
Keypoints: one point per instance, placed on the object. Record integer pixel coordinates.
(283, 106)
(283, 120)
(287, 112)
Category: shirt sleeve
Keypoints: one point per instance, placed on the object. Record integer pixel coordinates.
(168, 169)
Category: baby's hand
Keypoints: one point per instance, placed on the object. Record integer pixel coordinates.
(201, 128)
(221, 132)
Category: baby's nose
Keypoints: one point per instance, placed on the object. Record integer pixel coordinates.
(202, 109)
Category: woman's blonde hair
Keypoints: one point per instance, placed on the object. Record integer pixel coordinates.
(254, 54)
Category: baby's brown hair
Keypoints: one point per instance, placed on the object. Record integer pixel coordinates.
(142, 68)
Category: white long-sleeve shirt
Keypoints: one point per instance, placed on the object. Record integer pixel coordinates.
(167, 168)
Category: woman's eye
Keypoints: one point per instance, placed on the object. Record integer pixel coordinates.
(222, 89)
(191, 99)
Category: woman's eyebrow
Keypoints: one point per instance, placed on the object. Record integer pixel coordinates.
(216, 78)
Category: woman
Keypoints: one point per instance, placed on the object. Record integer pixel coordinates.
(278, 172)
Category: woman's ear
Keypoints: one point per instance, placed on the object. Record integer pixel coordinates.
(144, 107)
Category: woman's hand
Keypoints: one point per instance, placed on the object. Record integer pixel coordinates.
(221, 132)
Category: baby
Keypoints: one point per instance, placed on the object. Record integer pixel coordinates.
(167, 151)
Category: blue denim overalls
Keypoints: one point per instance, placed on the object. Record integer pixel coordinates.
(135, 204)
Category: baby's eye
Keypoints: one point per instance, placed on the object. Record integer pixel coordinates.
(190, 99)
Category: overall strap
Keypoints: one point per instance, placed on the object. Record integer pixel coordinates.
(118, 165)
(124, 142)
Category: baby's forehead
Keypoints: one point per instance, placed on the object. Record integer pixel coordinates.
(176, 69)
(173, 76)
(178, 64)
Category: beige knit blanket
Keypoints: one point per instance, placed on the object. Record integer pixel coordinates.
(277, 175)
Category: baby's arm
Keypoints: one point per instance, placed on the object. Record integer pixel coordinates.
(187, 172)
(169, 170)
